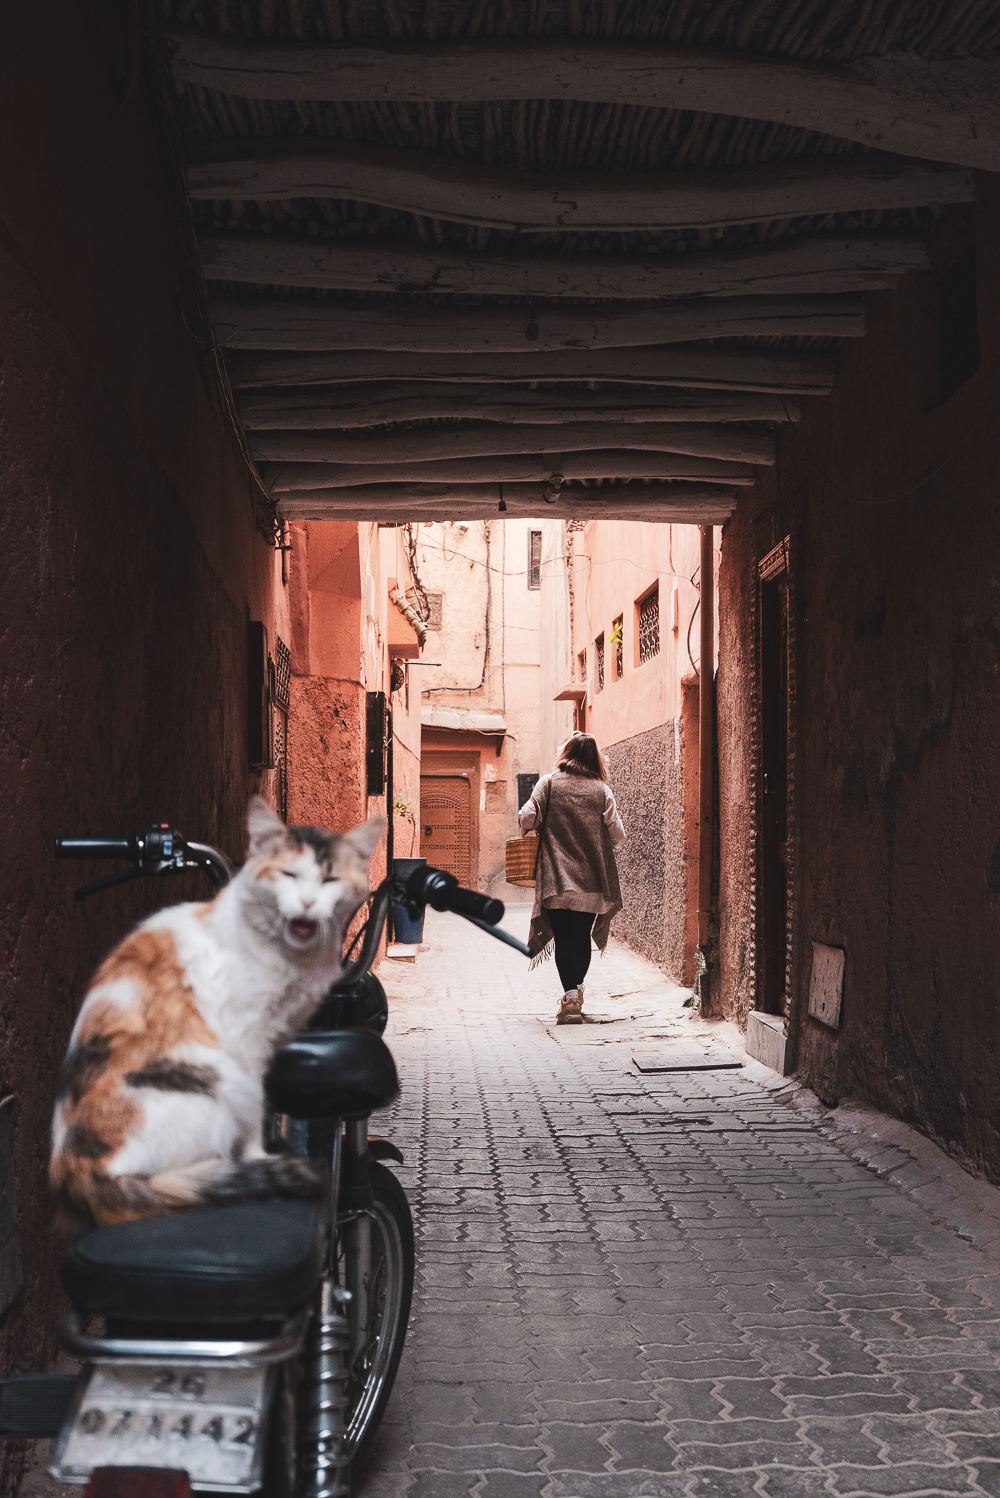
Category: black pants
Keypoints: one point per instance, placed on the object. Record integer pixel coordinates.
(571, 929)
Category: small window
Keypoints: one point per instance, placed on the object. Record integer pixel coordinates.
(534, 559)
(958, 327)
(599, 663)
(582, 662)
(618, 642)
(648, 609)
(525, 785)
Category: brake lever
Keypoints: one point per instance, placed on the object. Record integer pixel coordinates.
(123, 876)
(505, 937)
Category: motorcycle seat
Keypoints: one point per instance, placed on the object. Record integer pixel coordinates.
(333, 1074)
(228, 1264)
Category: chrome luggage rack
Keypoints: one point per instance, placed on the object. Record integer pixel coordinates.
(257, 1353)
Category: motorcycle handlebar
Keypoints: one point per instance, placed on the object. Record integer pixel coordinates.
(158, 850)
(161, 850)
(424, 887)
(442, 891)
(95, 847)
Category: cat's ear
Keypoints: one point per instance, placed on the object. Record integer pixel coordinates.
(266, 830)
(366, 838)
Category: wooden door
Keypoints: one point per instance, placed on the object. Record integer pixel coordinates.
(773, 924)
(446, 824)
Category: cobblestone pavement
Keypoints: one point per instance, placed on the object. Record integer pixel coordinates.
(665, 1284)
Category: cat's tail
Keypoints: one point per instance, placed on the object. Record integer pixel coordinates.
(107, 1200)
(222, 1183)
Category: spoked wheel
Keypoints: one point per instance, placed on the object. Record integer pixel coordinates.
(389, 1295)
(374, 1368)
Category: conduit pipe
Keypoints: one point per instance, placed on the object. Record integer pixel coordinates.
(706, 756)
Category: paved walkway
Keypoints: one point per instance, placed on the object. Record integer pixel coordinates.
(665, 1284)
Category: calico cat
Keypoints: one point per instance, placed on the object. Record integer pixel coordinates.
(161, 1097)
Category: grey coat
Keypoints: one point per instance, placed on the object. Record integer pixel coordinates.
(580, 829)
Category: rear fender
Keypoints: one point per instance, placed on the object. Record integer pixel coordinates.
(382, 1149)
(137, 1482)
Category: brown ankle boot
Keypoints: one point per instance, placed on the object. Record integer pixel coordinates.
(570, 1010)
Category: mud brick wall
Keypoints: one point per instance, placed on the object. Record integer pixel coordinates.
(645, 775)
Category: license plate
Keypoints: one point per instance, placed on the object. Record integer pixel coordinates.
(205, 1421)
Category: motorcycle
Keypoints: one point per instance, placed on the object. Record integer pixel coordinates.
(253, 1347)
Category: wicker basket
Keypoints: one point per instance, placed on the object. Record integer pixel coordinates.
(522, 858)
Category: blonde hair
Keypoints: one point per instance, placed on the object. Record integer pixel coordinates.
(580, 755)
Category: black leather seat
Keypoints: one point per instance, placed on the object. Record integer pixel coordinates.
(333, 1074)
(229, 1264)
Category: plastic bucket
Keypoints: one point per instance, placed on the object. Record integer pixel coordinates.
(406, 928)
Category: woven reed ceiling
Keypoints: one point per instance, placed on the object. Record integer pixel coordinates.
(325, 358)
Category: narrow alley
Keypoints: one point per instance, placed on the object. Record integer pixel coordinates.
(641, 1285)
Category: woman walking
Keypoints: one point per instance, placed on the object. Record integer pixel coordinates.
(576, 879)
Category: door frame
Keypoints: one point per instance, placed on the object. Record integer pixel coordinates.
(778, 562)
(467, 766)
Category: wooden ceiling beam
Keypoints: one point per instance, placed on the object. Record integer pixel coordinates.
(941, 110)
(681, 503)
(474, 439)
(351, 406)
(402, 327)
(678, 366)
(472, 192)
(537, 468)
(807, 266)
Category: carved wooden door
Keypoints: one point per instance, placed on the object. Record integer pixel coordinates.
(446, 824)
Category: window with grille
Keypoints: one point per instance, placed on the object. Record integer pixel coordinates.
(618, 639)
(534, 559)
(599, 663)
(582, 661)
(649, 626)
(281, 762)
(282, 674)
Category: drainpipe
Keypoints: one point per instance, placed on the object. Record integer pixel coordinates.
(706, 758)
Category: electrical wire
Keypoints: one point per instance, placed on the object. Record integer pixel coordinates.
(694, 611)
(410, 542)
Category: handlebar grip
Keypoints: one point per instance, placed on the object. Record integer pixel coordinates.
(442, 891)
(470, 902)
(94, 847)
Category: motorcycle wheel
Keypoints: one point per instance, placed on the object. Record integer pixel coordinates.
(390, 1294)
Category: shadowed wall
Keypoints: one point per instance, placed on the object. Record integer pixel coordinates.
(130, 561)
(895, 606)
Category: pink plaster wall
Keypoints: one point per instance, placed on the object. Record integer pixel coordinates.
(345, 633)
(615, 563)
(646, 722)
(452, 560)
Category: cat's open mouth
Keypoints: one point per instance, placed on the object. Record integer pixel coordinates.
(302, 929)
